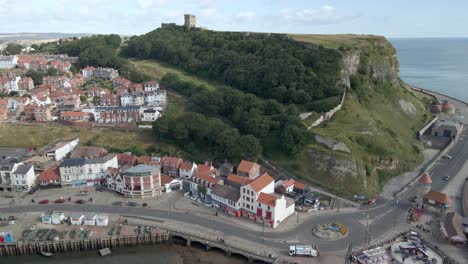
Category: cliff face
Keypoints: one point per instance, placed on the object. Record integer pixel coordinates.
(375, 122)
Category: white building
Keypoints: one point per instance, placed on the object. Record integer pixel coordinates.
(126, 99)
(105, 73)
(150, 114)
(260, 202)
(81, 171)
(89, 219)
(87, 72)
(7, 166)
(151, 86)
(10, 84)
(187, 169)
(76, 219)
(228, 199)
(59, 150)
(57, 217)
(102, 220)
(8, 62)
(24, 178)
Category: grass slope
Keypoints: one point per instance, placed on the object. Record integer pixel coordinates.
(41, 135)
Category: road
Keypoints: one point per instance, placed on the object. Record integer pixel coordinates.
(385, 216)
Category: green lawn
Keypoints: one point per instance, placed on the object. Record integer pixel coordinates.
(157, 70)
(336, 41)
(40, 135)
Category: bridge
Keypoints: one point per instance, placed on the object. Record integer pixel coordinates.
(225, 248)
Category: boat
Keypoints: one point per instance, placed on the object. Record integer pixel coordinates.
(105, 251)
(46, 254)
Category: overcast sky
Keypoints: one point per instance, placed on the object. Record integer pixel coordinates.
(392, 18)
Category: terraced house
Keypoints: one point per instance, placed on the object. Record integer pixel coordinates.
(86, 172)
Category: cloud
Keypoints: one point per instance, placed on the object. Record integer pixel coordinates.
(246, 15)
(144, 4)
(324, 15)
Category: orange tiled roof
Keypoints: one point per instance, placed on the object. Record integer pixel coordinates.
(268, 199)
(238, 179)
(247, 166)
(438, 197)
(261, 182)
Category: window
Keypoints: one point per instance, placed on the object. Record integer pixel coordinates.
(268, 207)
(259, 205)
(243, 190)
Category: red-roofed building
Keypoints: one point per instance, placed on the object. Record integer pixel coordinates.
(170, 183)
(75, 116)
(437, 199)
(237, 181)
(49, 177)
(61, 66)
(88, 72)
(136, 88)
(110, 100)
(151, 86)
(26, 84)
(187, 169)
(170, 165)
(286, 186)
(121, 82)
(299, 187)
(260, 203)
(126, 160)
(202, 182)
(248, 169)
(97, 91)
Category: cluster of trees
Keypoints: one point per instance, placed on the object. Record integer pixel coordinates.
(13, 49)
(251, 115)
(270, 66)
(100, 51)
(194, 131)
(97, 50)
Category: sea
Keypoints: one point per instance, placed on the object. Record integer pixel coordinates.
(438, 64)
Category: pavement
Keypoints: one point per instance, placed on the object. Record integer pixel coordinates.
(385, 216)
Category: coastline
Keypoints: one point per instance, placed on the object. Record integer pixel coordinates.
(433, 93)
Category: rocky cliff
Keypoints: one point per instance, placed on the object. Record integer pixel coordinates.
(378, 121)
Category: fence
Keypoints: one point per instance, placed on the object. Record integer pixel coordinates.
(328, 115)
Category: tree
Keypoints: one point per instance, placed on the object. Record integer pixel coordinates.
(52, 71)
(36, 76)
(13, 49)
(84, 99)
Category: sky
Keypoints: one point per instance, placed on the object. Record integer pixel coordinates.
(391, 18)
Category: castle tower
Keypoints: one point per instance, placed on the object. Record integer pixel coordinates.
(190, 21)
(424, 186)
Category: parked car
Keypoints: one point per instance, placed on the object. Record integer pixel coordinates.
(447, 156)
(80, 201)
(100, 189)
(446, 178)
(133, 204)
(59, 201)
(414, 199)
(45, 201)
(118, 203)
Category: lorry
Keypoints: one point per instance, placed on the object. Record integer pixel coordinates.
(303, 251)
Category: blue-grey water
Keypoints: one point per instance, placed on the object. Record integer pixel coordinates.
(438, 64)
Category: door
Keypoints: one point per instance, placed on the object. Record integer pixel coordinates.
(259, 212)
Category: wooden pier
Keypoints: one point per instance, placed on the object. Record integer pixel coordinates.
(63, 246)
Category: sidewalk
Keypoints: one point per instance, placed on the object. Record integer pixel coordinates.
(402, 180)
(187, 205)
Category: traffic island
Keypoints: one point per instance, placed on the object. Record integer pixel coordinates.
(331, 231)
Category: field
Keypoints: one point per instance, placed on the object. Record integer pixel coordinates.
(40, 135)
(157, 70)
(336, 41)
